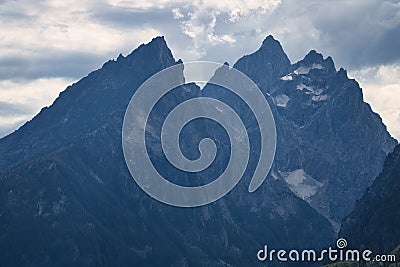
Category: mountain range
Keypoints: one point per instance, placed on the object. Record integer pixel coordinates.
(67, 198)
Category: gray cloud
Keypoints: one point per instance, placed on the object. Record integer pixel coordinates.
(359, 33)
(16, 15)
(46, 63)
(356, 34)
(129, 17)
(160, 18)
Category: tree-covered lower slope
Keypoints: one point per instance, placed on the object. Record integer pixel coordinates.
(375, 221)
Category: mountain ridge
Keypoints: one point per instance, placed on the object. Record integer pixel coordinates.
(82, 207)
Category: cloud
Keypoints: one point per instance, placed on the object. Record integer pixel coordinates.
(360, 33)
(48, 44)
(159, 17)
(199, 20)
(193, 29)
(56, 38)
(190, 28)
(355, 33)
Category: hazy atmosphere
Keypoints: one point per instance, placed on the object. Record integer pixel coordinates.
(47, 45)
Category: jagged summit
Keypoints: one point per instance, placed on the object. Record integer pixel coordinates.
(156, 42)
(314, 57)
(156, 49)
(267, 63)
(270, 40)
(272, 50)
(316, 60)
(342, 74)
(158, 39)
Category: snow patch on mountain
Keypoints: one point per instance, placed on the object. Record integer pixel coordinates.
(318, 98)
(309, 90)
(287, 78)
(317, 66)
(302, 70)
(302, 86)
(281, 100)
(301, 184)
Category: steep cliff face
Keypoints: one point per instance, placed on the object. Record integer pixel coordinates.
(67, 198)
(374, 222)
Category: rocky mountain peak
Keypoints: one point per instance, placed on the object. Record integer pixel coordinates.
(313, 57)
(267, 64)
(272, 51)
(315, 60)
(156, 50)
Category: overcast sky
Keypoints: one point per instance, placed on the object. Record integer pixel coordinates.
(47, 45)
